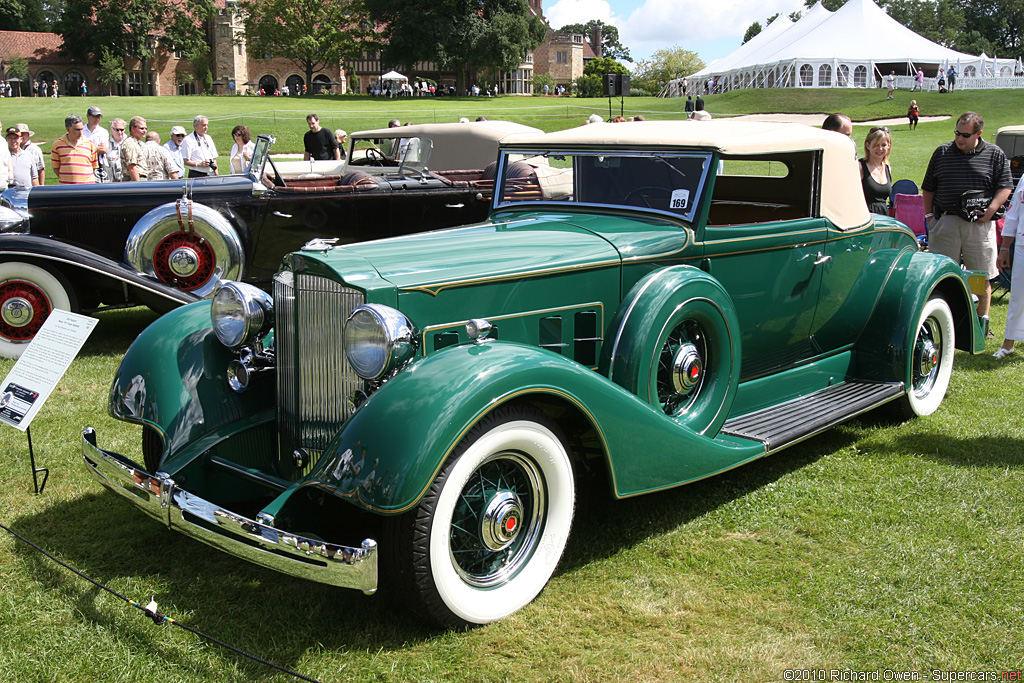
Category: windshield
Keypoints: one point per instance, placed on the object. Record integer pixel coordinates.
(670, 182)
(260, 155)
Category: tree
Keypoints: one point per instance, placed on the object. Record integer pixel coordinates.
(457, 34)
(752, 31)
(128, 27)
(603, 65)
(610, 45)
(666, 64)
(185, 32)
(24, 15)
(110, 67)
(311, 34)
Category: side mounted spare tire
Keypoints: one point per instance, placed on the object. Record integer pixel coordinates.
(675, 343)
(186, 245)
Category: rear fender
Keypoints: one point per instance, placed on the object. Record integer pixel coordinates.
(881, 349)
(391, 450)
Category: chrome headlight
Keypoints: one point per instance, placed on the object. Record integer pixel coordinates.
(378, 340)
(11, 220)
(241, 314)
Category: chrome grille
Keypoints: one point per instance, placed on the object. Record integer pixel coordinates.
(313, 378)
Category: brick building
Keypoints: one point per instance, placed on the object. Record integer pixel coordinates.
(236, 69)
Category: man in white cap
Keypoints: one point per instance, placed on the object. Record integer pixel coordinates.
(100, 139)
(33, 149)
(198, 151)
(174, 147)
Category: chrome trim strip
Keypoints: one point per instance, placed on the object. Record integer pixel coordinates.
(262, 544)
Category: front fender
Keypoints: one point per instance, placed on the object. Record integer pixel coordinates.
(881, 349)
(67, 257)
(172, 379)
(387, 455)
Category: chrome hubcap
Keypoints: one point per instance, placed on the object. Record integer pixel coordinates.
(687, 368)
(500, 523)
(183, 262)
(17, 312)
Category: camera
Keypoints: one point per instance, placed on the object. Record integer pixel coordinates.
(213, 165)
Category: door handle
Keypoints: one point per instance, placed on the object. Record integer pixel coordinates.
(454, 206)
(282, 215)
(822, 259)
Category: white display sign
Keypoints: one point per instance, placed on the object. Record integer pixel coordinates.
(45, 360)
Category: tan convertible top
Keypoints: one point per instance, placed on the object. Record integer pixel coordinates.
(455, 145)
(842, 199)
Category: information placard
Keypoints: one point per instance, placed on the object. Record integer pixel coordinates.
(45, 360)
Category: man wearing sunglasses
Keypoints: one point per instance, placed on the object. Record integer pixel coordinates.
(959, 225)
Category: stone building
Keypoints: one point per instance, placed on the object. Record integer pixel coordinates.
(236, 70)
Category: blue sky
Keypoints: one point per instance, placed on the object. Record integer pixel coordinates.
(711, 28)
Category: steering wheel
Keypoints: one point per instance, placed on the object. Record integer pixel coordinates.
(376, 157)
(660, 193)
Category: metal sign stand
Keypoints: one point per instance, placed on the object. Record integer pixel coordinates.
(36, 470)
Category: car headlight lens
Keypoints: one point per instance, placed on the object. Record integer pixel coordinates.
(241, 314)
(378, 340)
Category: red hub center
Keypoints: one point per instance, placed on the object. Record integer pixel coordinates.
(173, 247)
(23, 310)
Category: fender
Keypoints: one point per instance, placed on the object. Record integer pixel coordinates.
(391, 450)
(68, 256)
(882, 347)
(172, 379)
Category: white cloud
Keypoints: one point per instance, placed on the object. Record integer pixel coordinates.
(712, 29)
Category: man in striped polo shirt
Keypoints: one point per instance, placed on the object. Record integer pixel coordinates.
(967, 163)
(73, 156)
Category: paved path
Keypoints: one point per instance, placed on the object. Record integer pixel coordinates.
(818, 119)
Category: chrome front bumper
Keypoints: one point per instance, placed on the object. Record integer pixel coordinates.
(255, 541)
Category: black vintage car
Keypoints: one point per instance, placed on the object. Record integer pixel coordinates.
(165, 243)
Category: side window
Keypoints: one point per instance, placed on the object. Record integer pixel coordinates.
(764, 188)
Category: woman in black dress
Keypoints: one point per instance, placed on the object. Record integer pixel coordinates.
(875, 173)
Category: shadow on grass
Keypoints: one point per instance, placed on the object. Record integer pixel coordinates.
(116, 330)
(603, 527)
(270, 615)
(980, 451)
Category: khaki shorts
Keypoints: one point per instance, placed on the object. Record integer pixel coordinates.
(958, 239)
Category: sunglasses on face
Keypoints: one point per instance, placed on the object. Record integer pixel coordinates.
(879, 128)
(117, 130)
(963, 135)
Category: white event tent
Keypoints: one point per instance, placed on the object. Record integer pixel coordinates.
(853, 47)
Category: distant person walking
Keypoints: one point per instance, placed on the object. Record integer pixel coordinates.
(890, 83)
(699, 104)
(913, 114)
(689, 106)
(918, 81)
(951, 77)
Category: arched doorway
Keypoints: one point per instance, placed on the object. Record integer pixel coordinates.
(295, 84)
(73, 84)
(320, 83)
(268, 84)
(47, 77)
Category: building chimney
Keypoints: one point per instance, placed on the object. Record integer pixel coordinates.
(596, 44)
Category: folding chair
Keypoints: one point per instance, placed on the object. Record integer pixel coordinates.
(910, 211)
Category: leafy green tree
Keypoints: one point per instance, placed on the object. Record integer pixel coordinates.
(665, 64)
(110, 67)
(752, 31)
(603, 65)
(610, 44)
(457, 34)
(588, 85)
(185, 32)
(24, 15)
(540, 80)
(311, 34)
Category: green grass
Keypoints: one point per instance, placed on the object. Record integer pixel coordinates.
(874, 546)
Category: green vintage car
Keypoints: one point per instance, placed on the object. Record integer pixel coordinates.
(654, 303)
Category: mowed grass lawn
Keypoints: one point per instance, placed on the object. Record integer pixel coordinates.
(876, 547)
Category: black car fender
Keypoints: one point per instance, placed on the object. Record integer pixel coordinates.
(71, 260)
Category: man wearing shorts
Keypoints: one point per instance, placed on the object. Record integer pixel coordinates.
(965, 164)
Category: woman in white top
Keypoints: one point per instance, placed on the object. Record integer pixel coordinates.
(241, 151)
(1013, 227)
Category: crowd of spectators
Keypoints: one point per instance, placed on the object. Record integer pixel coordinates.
(90, 153)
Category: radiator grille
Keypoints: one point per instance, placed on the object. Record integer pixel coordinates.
(313, 378)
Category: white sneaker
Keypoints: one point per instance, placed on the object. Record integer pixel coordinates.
(1002, 353)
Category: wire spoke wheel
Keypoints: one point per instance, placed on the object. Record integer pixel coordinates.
(681, 367)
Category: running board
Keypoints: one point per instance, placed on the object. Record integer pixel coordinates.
(789, 423)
